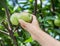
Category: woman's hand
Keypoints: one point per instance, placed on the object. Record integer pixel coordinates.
(37, 34)
(32, 27)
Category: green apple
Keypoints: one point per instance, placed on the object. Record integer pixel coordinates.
(57, 22)
(13, 19)
(23, 15)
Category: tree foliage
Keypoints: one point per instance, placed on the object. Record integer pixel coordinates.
(46, 12)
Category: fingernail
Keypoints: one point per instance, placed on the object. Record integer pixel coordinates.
(20, 19)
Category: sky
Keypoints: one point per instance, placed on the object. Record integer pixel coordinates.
(38, 2)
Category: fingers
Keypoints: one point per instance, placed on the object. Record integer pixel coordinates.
(23, 23)
(34, 19)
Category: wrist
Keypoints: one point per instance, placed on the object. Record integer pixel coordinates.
(35, 35)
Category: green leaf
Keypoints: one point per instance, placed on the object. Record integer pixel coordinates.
(29, 40)
(16, 34)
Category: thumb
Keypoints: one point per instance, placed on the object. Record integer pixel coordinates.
(23, 23)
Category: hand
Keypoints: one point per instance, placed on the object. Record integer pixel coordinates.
(37, 34)
(32, 27)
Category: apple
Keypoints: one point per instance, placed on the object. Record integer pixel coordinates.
(23, 15)
(13, 19)
(57, 22)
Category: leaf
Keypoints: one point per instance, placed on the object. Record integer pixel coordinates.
(1, 27)
(29, 40)
(16, 34)
(57, 30)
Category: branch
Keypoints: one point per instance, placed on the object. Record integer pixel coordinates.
(41, 14)
(2, 42)
(41, 8)
(53, 7)
(8, 18)
(53, 10)
(7, 13)
(16, 28)
(11, 33)
(5, 25)
(10, 28)
(41, 3)
(35, 8)
(4, 32)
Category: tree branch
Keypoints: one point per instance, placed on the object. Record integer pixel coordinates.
(41, 14)
(10, 28)
(41, 9)
(7, 13)
(11, 33)
(8, 18)
(5, 25)
(16, 28)
(2, 42)
(4, 32)
(53, 7)
(35, 8)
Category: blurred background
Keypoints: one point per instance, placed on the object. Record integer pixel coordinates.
(46, 11)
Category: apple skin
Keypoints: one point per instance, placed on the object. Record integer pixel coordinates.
(23, 15)
(14, 19)
(57, 22)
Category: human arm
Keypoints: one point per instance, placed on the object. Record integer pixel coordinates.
(37, 34)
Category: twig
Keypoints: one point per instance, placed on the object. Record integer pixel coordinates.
(16, 29)
(41, 14)
(10, 28)
(53, 7)
(8, 18)
(11, 34)
(35, 8)
(41, 8)
(5, 25)
(9, 24)
(7, 13)
(53, 10)
(2, 42)
(4, 32)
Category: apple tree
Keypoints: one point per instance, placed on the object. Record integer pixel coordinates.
(46, 11)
